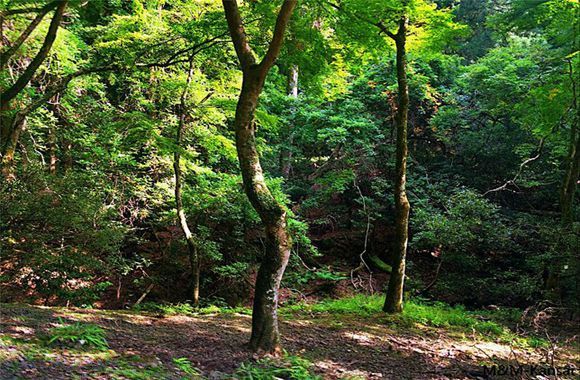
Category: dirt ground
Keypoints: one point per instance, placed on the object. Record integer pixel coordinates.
(349, 348)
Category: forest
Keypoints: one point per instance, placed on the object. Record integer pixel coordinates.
(289, 189)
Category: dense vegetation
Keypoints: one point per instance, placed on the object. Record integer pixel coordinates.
(198, 155)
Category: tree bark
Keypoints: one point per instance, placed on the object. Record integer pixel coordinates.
(265, 334)
(394, 298)
(191, 245)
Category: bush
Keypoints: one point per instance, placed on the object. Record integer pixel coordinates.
(59, 236)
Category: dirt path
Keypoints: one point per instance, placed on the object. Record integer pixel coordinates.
(351, 348)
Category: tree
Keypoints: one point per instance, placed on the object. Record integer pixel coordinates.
(428, 24)
(265, 335)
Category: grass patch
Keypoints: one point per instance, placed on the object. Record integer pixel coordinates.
(133, 370)
(419, 312)
(494, 324)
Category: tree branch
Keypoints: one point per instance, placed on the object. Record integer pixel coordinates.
(26, 33)
(379, 24)
(238, 34)
(276, 43)
(25, 78)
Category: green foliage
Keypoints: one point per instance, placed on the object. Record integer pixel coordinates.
(303, 277)
(78, 334)
(490, 88)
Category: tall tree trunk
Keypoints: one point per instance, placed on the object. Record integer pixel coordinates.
(569, 183)
(293, 82)
(394, 298)
(265, 335)
(292, 92)
(191, 246)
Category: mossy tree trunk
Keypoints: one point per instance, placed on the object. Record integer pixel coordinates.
(394, 298)
(265, 335)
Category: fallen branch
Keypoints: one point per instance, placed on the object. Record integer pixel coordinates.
(149, 288)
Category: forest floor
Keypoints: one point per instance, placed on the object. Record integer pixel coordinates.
(366, 345)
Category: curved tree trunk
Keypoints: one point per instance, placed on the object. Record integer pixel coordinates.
(394, 298)
(265, 335)
(6, 55)
(10, 130)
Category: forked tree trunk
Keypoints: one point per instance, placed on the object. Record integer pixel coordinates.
(394, 298)
(265, 335)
